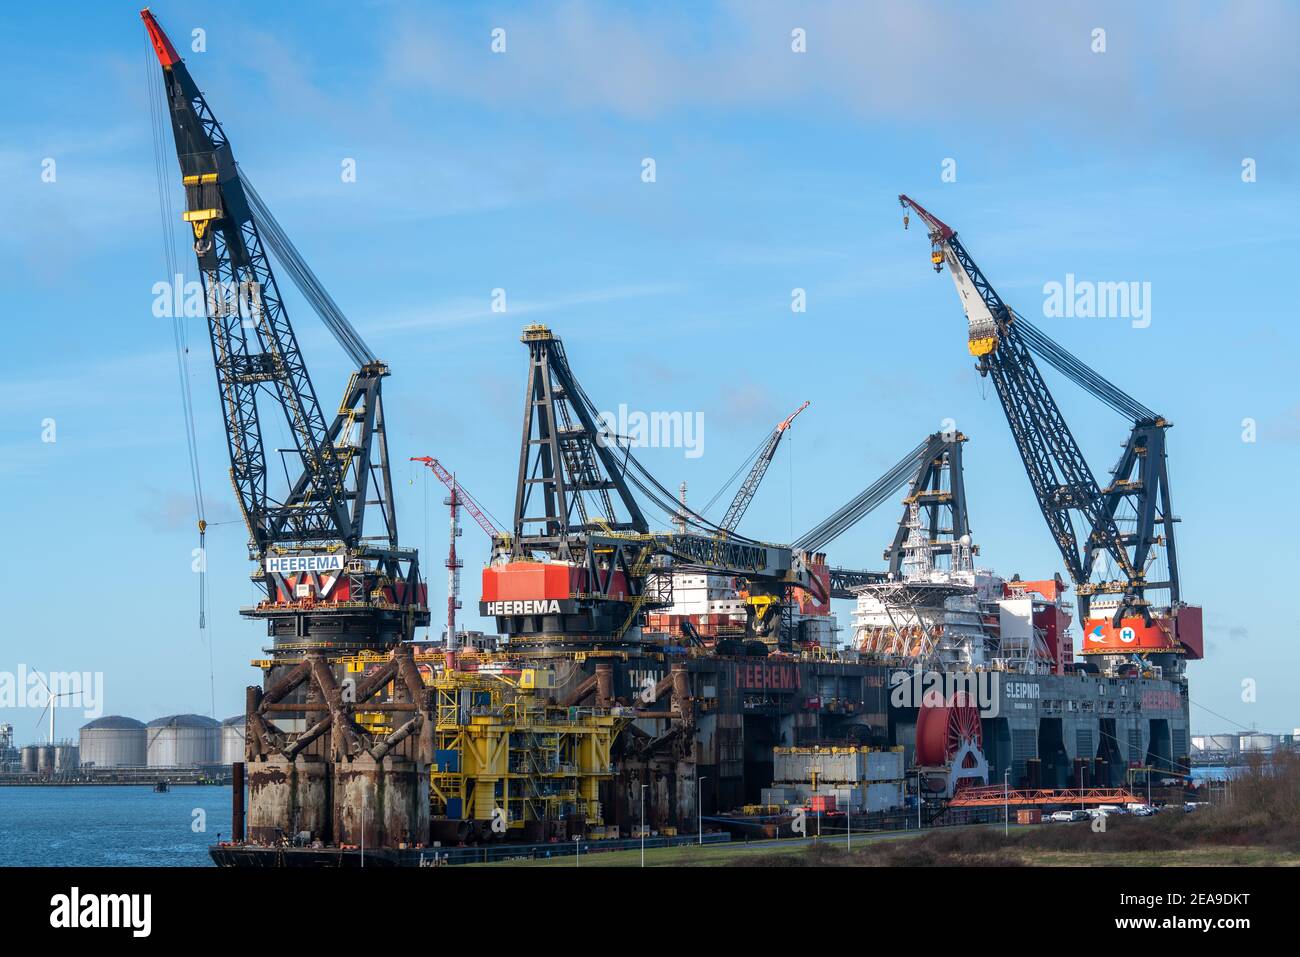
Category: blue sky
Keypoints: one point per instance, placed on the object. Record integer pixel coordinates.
(775, 170)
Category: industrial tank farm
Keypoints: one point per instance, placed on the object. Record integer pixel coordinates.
(232, 739)
(114, 741)
(182, 740)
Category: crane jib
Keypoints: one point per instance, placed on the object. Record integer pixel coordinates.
(1064, 485)
(309, 531)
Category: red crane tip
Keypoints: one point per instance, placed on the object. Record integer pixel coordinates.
(162, 46)
(934, 222)
(785, 423)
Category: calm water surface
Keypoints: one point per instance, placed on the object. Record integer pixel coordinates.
(110, 826)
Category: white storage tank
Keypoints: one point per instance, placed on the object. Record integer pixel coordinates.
(66, 757)
(1221, 742)
(183, 740)
(1255, 741)
(113, 741)
(232, 739)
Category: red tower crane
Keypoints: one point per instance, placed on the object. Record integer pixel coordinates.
(466, 499)
(458, 499)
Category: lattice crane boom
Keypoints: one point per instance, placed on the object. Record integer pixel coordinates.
(749, 487)
(1005, 344)
(465, 500)
(337, 471)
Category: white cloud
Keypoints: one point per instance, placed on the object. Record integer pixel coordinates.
(1016, 64)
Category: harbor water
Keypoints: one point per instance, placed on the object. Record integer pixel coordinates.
(93, 826)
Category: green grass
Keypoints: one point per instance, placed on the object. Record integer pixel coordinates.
(1260, 827)
(934, 848)
(716, 855)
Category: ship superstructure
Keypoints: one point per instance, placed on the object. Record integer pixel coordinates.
(957, 616)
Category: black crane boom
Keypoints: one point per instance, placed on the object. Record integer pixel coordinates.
(1066, 489)
(341, 471)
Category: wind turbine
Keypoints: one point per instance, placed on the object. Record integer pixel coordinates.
(51, 702)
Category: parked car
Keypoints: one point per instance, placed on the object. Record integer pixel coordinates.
(1061, 816)
(1080, 815)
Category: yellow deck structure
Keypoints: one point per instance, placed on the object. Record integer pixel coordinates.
(500, 746)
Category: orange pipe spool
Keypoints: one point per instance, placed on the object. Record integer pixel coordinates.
(942, 729)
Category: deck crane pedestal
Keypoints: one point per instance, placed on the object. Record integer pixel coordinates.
(1134, 606)
(325, 738)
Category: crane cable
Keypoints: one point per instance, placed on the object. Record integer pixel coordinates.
(180, 341)
(651, 487)
(311, 288)
(745, 466)
(1080, 373)
(866, 501)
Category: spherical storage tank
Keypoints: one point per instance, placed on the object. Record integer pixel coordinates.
(232, 739)
(113, 742)
(183, 740)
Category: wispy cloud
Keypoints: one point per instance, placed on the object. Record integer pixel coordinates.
(464, 310)
(913, 62)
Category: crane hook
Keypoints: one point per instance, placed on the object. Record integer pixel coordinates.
(905, 220)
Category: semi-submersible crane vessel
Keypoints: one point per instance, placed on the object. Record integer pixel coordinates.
(642, 678)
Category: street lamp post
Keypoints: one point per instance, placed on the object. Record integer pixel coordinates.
(699, 807)
(1006, 803)
(918, 800)
(643, 790)
(576, 848)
